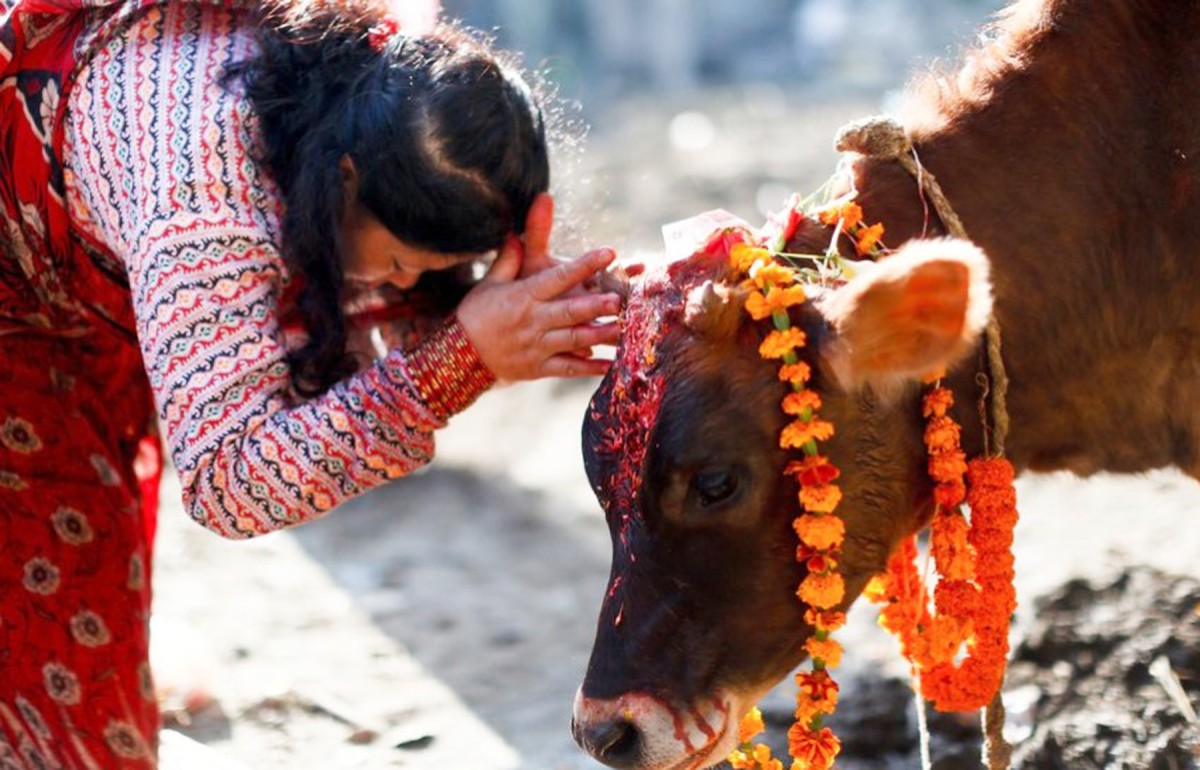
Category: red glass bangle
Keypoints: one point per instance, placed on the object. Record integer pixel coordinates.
(447, 371)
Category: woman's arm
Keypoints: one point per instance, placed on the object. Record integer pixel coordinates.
(249, 458)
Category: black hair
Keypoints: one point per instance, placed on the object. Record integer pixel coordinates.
(448, 140)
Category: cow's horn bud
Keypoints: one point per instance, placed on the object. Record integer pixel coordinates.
(617, 279)
(712, 310)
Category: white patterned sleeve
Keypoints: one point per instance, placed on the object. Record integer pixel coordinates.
(197, 227)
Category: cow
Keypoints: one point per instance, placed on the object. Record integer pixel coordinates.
(1069, 144)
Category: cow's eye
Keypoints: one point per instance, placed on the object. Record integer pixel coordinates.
(715, 486)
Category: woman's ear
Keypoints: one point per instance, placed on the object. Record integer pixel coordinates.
(349, 179)
(911, 314)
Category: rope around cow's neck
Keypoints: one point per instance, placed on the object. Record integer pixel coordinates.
(884, 138)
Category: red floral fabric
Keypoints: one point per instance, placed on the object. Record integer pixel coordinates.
(125, 303)
(76, 519)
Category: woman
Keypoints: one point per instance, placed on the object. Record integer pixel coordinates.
(193, 196)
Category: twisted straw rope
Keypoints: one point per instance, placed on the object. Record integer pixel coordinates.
(884, 138)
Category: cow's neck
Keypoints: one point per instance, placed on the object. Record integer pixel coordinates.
(1069, 172)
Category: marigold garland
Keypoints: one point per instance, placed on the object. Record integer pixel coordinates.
(974, 597)
(974, 560)
(820, 531)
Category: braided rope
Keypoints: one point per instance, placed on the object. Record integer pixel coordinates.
(884, 138)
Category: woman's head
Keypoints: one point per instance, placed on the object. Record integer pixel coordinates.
(447, 141)
(436, 138)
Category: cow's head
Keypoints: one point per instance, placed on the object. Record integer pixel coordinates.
(681, 444)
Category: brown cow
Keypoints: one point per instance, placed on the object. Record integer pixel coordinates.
(1070, 146)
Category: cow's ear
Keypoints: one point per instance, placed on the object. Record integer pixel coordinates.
(913, 313)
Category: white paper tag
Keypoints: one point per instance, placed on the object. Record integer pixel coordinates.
(683, 238)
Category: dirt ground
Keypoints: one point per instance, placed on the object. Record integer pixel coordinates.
(445, 621)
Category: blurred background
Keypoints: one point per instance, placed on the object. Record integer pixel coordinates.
(445, 621)
(694, 104)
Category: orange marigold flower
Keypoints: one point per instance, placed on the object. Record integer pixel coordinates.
(813, 750)
(954, 557)
(750, 726)
(817, 694)
(756, 306)
(743, 256)
(825, 620)
(786, 296)
(796, 402)
(992, 472)
(829, 651)
(760, 305)
(779, 343)
(806, 711)
(876, 590)
(797, 373)
(797, 433)
(993, 519)
(965, 688)
(822, 591)
(937, 402)
(948, 466)
(949, 494)
(940, 640)
(994, 500)
(868, 238)
(817, 685)
(901, 620)
(816, 561)
(958, 597)
(770, 273)
(762, 754)
(942, 434)
(820, 532)
(995, 561)
(812, 470)
(822, 498)
(740, 760)
(848, 211)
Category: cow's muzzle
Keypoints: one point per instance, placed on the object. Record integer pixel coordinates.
(637, 731)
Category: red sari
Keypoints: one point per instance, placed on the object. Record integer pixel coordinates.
(78, 458)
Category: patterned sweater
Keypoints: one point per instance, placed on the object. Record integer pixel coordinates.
(158, 167)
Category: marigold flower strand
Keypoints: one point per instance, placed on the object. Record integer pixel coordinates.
(820, 531)
(974, 598)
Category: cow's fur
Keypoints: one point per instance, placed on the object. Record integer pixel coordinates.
(1070, 147)
(1069, 144)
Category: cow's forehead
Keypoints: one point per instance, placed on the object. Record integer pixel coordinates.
(628, 403)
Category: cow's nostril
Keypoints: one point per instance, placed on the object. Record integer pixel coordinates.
(616, 743)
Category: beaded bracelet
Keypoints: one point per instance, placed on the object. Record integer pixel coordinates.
(447, 371)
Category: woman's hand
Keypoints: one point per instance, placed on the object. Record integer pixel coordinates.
(530, 316)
